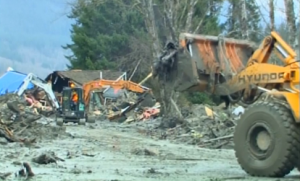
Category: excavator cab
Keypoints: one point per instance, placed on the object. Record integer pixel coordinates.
(72, 107)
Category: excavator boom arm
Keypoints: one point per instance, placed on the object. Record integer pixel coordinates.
(116, 84)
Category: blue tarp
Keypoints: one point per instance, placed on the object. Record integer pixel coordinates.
(11, 81)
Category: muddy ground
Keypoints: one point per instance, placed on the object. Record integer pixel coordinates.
(109, 151)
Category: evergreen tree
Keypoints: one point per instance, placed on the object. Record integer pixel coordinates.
(210, 24)
(254, 20)
(100, 33)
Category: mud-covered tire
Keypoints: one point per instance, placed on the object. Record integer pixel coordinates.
(82, 121)
(281, 156)
(59, 122)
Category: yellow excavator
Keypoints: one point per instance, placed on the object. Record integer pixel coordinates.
(267, 136)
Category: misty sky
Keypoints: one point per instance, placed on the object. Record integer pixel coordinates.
(28, 17)
(32, 32)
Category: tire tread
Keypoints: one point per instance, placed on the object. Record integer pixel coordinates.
(293, 135)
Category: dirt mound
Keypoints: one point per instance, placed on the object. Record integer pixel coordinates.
(41, 131)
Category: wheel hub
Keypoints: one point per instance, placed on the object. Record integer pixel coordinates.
(259, 140)
(263, 140)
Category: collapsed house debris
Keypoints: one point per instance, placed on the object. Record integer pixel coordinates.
(37, 93)
(140, 108)
(200, 125)
(18, 121)
(42, 96)
(11, 81)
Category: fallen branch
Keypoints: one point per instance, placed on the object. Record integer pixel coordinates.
(219, 138)
(4, 132)
(220, 145)
(190, 159)
(134, 70)
(26, 171)
(172, 129)
(22, 130)
(176, 107)
(3, 176)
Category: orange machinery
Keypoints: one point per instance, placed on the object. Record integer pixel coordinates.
(267, 136)
(102, 84)
(115, 84)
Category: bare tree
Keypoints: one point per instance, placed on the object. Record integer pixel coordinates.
(298, 31)
(190, 14)
(244, 20)
(291, 20)
(271, 14)
(151, 26)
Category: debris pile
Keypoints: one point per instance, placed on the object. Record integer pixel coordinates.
(144, 113)
(119, 105)
(200, 126)
(18, 121)
(136, 108)
(38, 100)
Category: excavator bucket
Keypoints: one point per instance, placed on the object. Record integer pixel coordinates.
(204, 61)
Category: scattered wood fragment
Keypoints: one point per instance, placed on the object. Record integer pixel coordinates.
(220, 145)
(190, 159)
(3, 176)
(219, 138)
(176, 107)
(22, 130)
(47, 158)
(6, 133)
(145, 151)
(88, 154)
(26, 171)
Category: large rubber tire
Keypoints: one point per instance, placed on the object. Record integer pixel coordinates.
(281, 156)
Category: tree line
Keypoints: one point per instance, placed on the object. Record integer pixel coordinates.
(120, 34)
